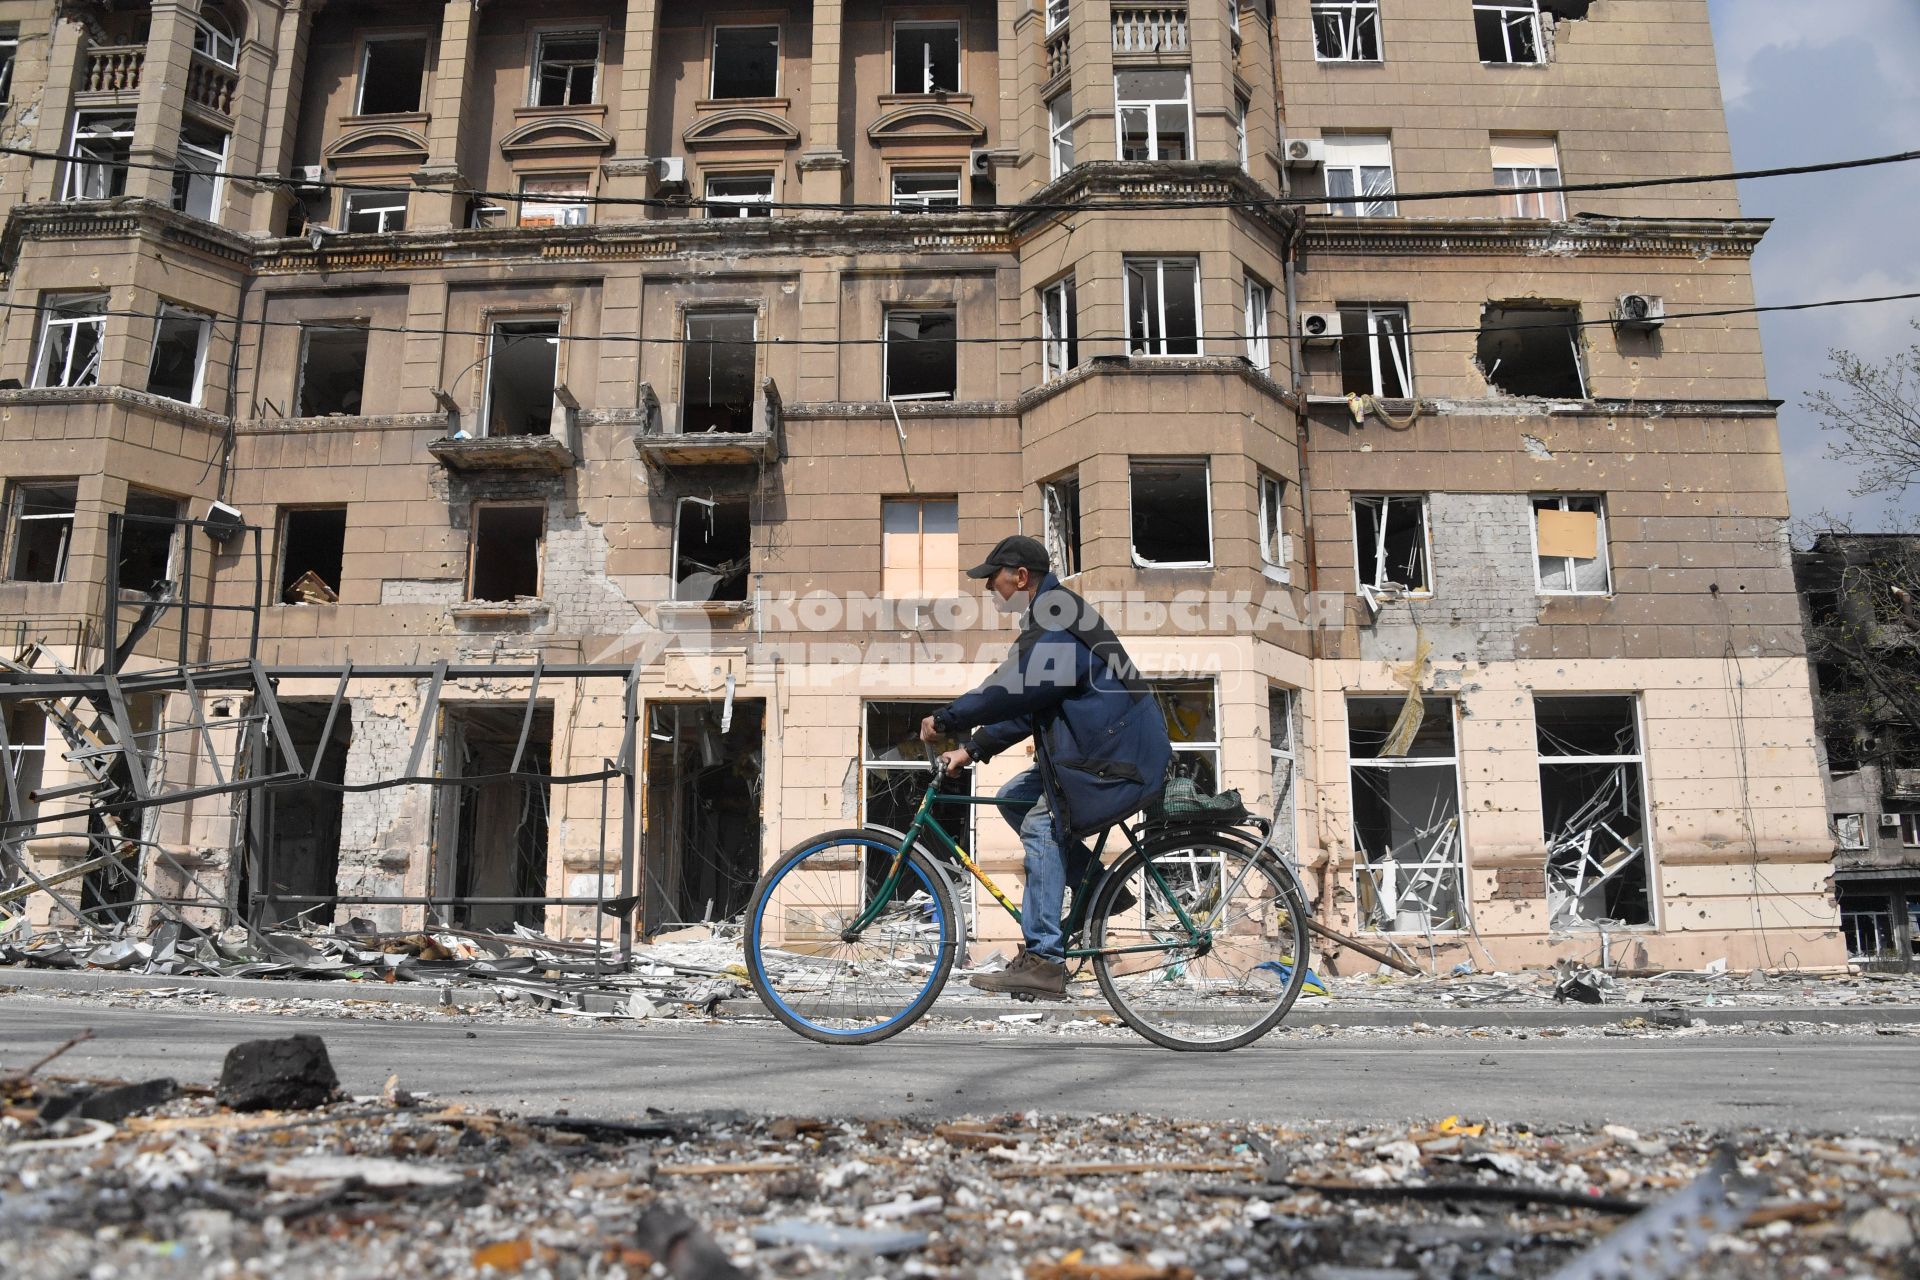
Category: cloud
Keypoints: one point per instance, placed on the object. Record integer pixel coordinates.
(1889, 31)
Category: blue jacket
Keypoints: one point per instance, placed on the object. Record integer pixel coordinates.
(1099, 736)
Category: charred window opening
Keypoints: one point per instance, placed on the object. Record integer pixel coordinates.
(42, 531)
(566, 69)
(393, 72)
(491, 831)
(1172, 514)
(302, 821)
(922, 355)
(926, 57)
(1592, 804)
(1392, 542)
(333, 370)
(1409, 864)
(506, 552)
(717, 394)
(919, 548)
(1375, 353)
(703, 834)
(523, 360)
(147, 537)
(746, 62)
(1060, 499)
(313, 543)
(1532, 349)
(712, 549)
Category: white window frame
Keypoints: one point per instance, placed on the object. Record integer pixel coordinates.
(1144, 346)
(55, 315)
(886, 350)
(1513, 12)
(1058, 13)
(1457, 864)
(1910, 830)
(565, 211)
(208, 162)
(1068, 553)
(1283, 770)
(79, 172)
(1637, 759)
(926, 56)
(1358, 13)
(1206, 487)
(1523, 176)
(1059, 329)
(1059, 134)
(425, 41)
(713, 57)
(558, 34)
(1208, 749)
(1363, 158)
(723, 205)
(1258, 320)
(1383, 341)
(1151, 106)
(932, 197)
(21, 516)
(1561, 501)
(1240, 108)
(496, 342)
(210, 41)
(1857, 823)
(204, 324)
(1425, 590)
(396, 203)
(1273, 532)
(964, 820)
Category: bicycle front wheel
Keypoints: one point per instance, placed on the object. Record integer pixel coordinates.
(1203, 945)
(828, 980)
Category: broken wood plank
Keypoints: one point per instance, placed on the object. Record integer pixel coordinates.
(1132, 1166)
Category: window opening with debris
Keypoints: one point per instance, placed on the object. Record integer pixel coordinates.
(102, 144)
(1523, 165)
(1059, 134)
(178, 368)
(1060, 501)
(1156, 114)
(1532, 349)
(1850, 830)
(25, 759)
(1257, 324)
(523, 361)
(70, 339)
(505, 552)
(1409, 858)
(393, 73)
(1163, 306)
(566, 68)
(1509, 31)
(1273, 506)
(42, 530)
(719, 369)
(712, 549)
(1346, 30)
(740, 195)
(1360, 176)
(313, 546)
(894, 774)
(919, 548)
(926, 189)
(490, 834)
(1172, 513)
(557, 200)
(1059, 329)
(149, 539)
(197, 184)
(1867, 921)
(375, 211)
(333, 370)
(1570, 545)
(1593, 807)
(926, 57)
(1392, 541)
(299, 824)
(1375, 351)
(746, 62)
(704, 775)
(109, 893)
(921, 355)
(1193, 727)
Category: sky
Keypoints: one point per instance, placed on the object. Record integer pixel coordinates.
(1806, 81)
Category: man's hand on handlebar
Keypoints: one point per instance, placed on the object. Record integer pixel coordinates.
(927, 731)
(953, 761)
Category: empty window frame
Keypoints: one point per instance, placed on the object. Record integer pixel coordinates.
(72, 328)
(926, 57)
(179, 365)
(1273, 506)
(523, 362)
(373, 211)
(895, 772)
(1059, 134)
(313, 547)
(1532, 349)
(717, 388)
(393, 75)
(1868, 926)
(919, 548)
(1156, 114)
(1593, 809)
(1850, 830)
(1360, 176)
(24, 759)
(1060, 509)
(1509, 31)
(1346, 30)
(1059, 329)
(102, 144)
(712, 549)
(1375, 359)
(558, 200)
(1523, 166)
(926, 189)
(1570, 545)
(740, 195)
(333, 370)
(1257, 324)
(566, 69)
(504, 557)
(1409, 864)
(1392, 543)
(197, 184)
(149, 535)
(1172, 503)
(746, 62)
(1281, 764)
(920, 355)
(213, 36)
(1192, 714)
(1163, 306)
(42, 523)
(10, 50)
(1910, 830)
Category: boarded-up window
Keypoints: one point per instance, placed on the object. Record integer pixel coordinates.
(920, 548)
(1570, 544)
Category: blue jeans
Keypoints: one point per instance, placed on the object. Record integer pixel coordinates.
(1049, 869)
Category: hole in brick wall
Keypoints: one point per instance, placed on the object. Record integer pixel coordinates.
(312, 551)
(1532, 349)
(333, 370)
(506, 552)
(1172, 518)
(522, 361)
(1390, 535)
(147, 540)
(713, 549)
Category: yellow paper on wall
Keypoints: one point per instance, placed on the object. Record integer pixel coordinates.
(1569, 533)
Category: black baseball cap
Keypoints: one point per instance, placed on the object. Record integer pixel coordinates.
(1015, 552)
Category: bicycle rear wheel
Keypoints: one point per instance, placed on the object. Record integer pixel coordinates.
(850, 990)
(1223, 976)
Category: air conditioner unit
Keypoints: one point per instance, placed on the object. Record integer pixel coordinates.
(1889, 822)
(1320, 328)
(1306, 153)
(980, 162)
(223, 522)
(1641, 311)
(670, 171)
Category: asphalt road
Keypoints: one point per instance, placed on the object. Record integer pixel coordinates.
(1807, 1083)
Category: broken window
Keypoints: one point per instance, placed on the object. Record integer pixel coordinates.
(717, 394)
(566, 68)
(712, 549)
(921, 355)
(1059, 329)
(1280, 764)
(1346, 30)
(491, 834)
(523, 358)
(1523, 166)
(919, 548)
(42, 530)
(1375, 354)
(148, 539)
(1868, 925)
(179, 360)
(70, 338)
(1259, 307)
(704, 774)
(1532, 349)
(1172, 514)
(895, 772)
(1850, 830)
(926, 189)
(313, 546)
(333, 370)
(1509, 31)
(926, 57)
(1592, 803)
(1156, 116)
(393, 74)
(1163, 306)
(213, 36)
(555, 201)
(1193, 727)
(300, 823)
(373, 211)
(1059, 134)
(1360, 165)
(505, 552)
(1408, 846)
(1273, 543)
(101, 146)
(25, 759)
(740, 195)
(1392, 543)
(746, 62)
(197, 184)
(1060, 504)
(1570, 545)
(9, 50)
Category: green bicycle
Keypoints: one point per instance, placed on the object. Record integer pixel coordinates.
(1197, 934)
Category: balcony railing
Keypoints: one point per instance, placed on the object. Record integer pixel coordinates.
(114, 68)
(1059, 61)
(1149, 30)
(211, 85)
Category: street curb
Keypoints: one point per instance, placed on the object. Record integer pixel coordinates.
(257, 988)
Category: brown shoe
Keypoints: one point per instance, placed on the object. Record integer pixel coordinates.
(1028, 975)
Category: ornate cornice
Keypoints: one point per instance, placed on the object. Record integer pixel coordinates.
(121, 219)
(1623, 237)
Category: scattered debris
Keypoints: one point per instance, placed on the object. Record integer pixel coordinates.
(290, 1074)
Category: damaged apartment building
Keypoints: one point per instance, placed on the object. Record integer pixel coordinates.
(567, 423)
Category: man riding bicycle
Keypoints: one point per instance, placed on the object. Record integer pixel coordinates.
(1100, 745)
